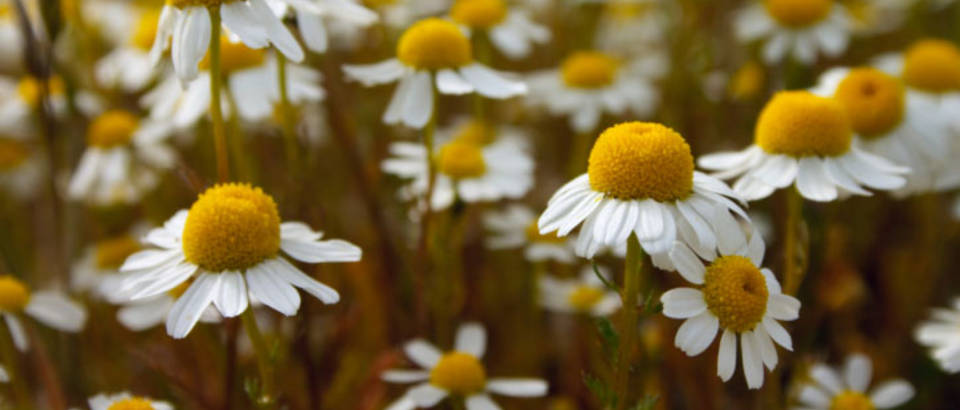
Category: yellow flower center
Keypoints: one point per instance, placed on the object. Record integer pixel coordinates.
(735, 292)
(14, 295)
(798, 13)
(29, 89)
(639, 160)
(231, 227)
(460, 159)
(476, 132)
(459, 373)
(112, 128)
(235, 57)
(145, 30)
(133, 403)
(181, 4)
(110, 253)
(851, 400)
(534, 235)
(433, 44)
(932, 65)
(12, 153)
(589, 69)
(583, 297)
(479, 13)
(748, 81)
(874, 101)
(798, 123)
(624, 11)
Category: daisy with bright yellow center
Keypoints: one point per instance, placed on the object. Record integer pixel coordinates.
(797, 28)
(805, 140)
(49, 307)
(510, 29)
(846, 389)
(128, 66)
(432, 53)
(21, 168)
(941, 335)
(515, 227)
(591, 83)
(457, 374)
(125, 401)
(123, 159)
(231, 243)
(584, 294)
(100, 262)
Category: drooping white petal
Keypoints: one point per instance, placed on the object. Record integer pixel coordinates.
(727, 355)
(273, 291)
(231, 300)
(56, 310)
(191, 305)
(296, 277)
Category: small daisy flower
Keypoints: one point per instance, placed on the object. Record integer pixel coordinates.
(432, 51)
(184, 27)
(633, 27)
(477, 164)
(591, 83)
(51, 308)
(737, 297)
(101, 261)
(832, 389)
(804, 140)
(229, 243)
(398, 14)
(21, 167)
(123, 159)
(640, 180)
(510, 30)
(941, 334)
(584, 294)
(128, 66)
(516, 227)
(125, 401)
(457, 373)
(801, 28)
(19, 100)
(312, 16)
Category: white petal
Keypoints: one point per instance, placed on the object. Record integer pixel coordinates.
(191, 37)
(296, 277)
(426, 395)
(418, 106)
(404, 376)
(188, 309)
(273, 291)
(17, 333)
(449, 82)
(57, 311)
(422, 353)
(232, 299)
(813, 182)
(321, 251)
(891, 394)
(471, 339)
(727, 355)
(783, 307)
(696, 333)
(688, 264)
(752, 364)
(682, 303)
(857, 372)
(490, 83)
(778, 333)
(827, 378)
(518, 387)
(481, 402)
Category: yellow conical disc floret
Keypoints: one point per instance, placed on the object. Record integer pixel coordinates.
(29, 89)
(639, 160)
(459, 373)
(434, 44)
(583, 298)
(12, 153)
(873, 100)
(798, 123)
(231, 227)
(235, 57)
(479, 13)
(110, 253)
(589, 69)
(133, 403)
(735, 292)
(476, 132)
(851, 400)
(194, 3)
(932, 65)
(111, 129)
(14, 295)
(748, 81)
(460, 159)
(798, 13)
(145, 30)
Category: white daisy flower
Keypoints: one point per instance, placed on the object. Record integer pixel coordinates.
(457, 373)
(633, 28)
(640, 180)
(22, 167)
(510, 30)
(398, 14)
(516, 227)
(125, 401)
(432, 51)
(128, 66)
(49, 307)
(229, 243)
(801, 29)
(941, 334)
(473, 163)
(313, 15)
(832, 389)
(591, 83)
(101, 261)
(19, 101)
(185, 28)
(584, 294)
(123, 159)
(804, 140)
(737, 296)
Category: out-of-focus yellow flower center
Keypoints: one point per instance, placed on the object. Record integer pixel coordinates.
(874, 101)
(433, 44)
(145, 30)
(932, 65)
(589, 69)
(748, 81)
(534, 235)
(133, 403)
(12, 153)
(110, 253)
(112, 128)
(476, 132)
(29, 89)
(798, 123)
(583, 297)
(639, 160)
(735, 292)
(851, 400)
(479, 13)
(460, 159)
(235, 57)
(626, 11)
(798, 13)
(14, 295)
(231, 227)
(459, 373)
(181, 4)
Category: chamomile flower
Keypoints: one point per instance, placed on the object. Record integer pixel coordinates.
(941, 334)
(641, 180)
(516, 227)
(100, 262)
(126, 401)
(797, 28)
(313, 15)
(123, 159)
(457, 373)
(475, 163)
(128, 66)
(804, 140)
(432, 53)
(229, 243)
(737, 297)
(49, 307)
(19, 99)
(591, 83)
(184, 27)
(21, 167)
(632, 27)
(584, 294)
(398, 14)
(510, 30)
(832, 389)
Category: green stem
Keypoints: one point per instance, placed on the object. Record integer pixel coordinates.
(286, 116)
(11, 360)
(792, 271)
(423, 249)
(630, 295)
(264, 363)
(216, 113)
